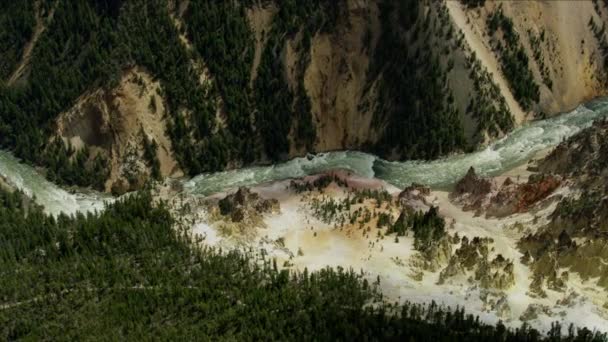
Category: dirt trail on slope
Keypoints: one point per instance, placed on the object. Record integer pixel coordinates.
(485, 55)
(205, 79)
(260, 21)
(29, 47)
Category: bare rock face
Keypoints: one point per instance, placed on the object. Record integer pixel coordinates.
(518, 198)
(415, 189)
(538, 188)
(582, 156)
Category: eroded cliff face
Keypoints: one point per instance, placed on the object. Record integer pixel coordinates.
(337, 76)
(485, 196)
(114, 122)
(365, 80)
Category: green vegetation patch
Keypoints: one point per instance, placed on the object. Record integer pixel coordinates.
(428, 227)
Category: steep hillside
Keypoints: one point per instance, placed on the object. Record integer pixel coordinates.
(124, 124)
(575, 240)
(543, 54)
(242, 82)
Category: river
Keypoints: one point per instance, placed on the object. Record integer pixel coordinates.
(514, 149)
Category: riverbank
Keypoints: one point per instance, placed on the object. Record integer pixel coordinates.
(299, 239)
(513, 150)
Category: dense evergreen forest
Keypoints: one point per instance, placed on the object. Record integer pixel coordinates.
(127, 273)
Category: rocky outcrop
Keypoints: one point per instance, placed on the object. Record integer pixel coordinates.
(472, 191)
(481, 195)
(582, 158)
(518, 198)
(415, 192)
(243, 205)
(241, 214)
(473, 185)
